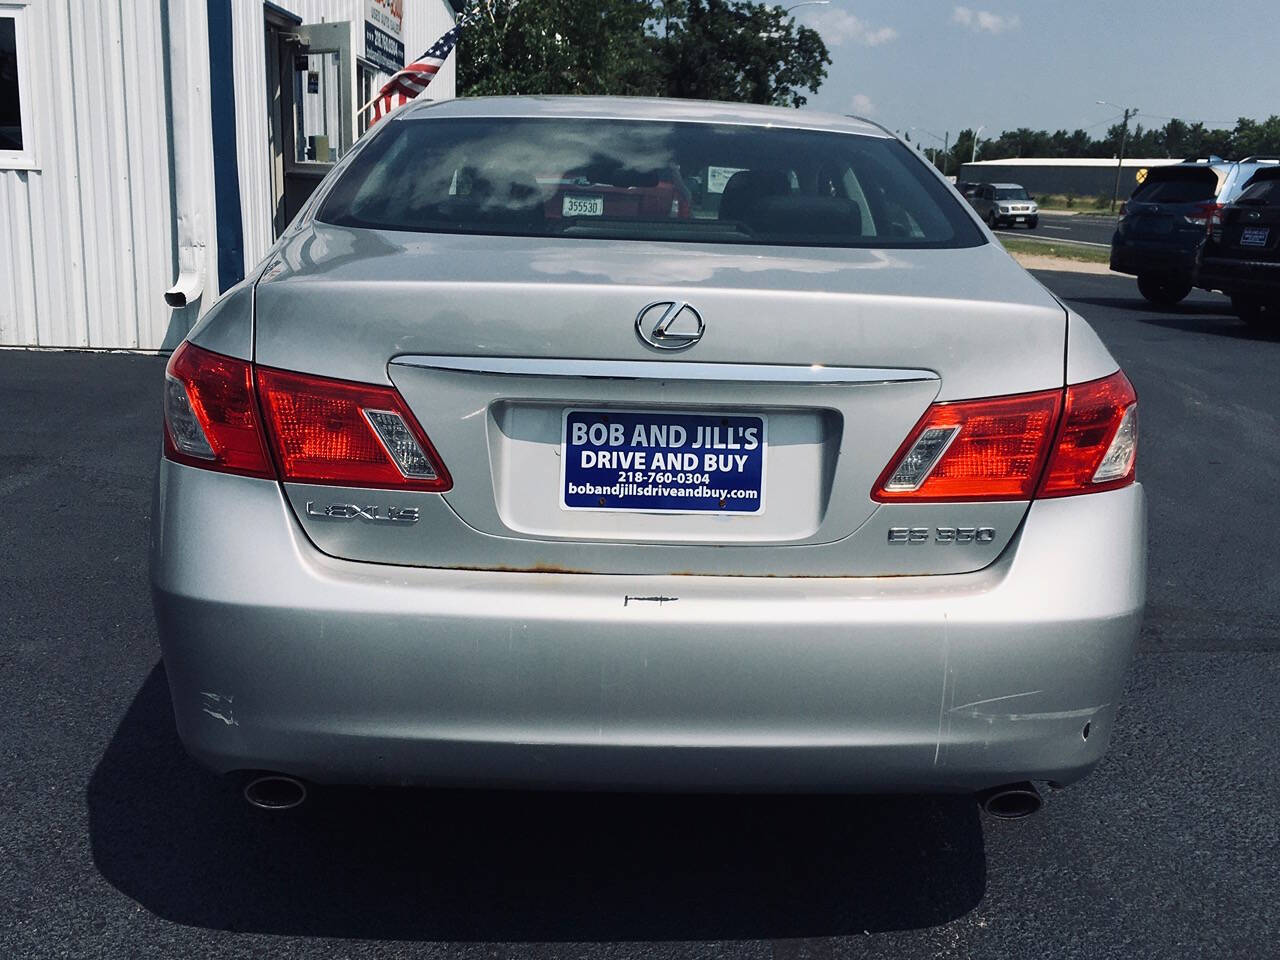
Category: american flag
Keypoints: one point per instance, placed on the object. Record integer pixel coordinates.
(414, 78)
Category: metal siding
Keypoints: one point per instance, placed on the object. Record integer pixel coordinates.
(1078, 179)
(225, 128)
(17, 298)
(253, 148)
(424, 23)
(149, 184)
(88, 232)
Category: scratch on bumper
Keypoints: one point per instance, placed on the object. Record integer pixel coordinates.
(218, 706)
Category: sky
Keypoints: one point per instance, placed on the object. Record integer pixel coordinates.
(1003, 64)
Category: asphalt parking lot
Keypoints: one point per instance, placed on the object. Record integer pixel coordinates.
(114, 844)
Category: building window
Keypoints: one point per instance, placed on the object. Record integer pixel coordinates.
(16, 133)
(366, 79)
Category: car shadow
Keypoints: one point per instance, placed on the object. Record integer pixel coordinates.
(1193, 308)
(1194, 316)
(508, 865)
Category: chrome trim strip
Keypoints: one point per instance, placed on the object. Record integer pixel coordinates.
(666, 370)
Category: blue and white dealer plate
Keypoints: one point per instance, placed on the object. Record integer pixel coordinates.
(663, 462)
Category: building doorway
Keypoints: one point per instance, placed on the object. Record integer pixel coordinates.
(310, 107)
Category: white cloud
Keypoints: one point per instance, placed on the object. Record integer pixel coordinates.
(984, 20)
(863, 105)
(839, 26)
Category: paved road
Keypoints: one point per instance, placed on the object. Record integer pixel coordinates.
(1080, 228)
(113, 844)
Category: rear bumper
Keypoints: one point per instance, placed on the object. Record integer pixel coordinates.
(281, 658)
(1240, 277)
(1137, 256)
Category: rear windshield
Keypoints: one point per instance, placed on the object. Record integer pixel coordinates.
(647, 180)
(1263, 190)
(1178, 186)
(1011, 193)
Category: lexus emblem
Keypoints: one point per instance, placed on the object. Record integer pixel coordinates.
(669, 325)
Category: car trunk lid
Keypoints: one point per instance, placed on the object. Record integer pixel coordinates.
(497, 344)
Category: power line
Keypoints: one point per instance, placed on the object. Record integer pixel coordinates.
(1101, 122)
(1156, 116)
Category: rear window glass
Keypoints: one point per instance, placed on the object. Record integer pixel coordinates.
(1182, 186)
(647, 180)
(1263, 190)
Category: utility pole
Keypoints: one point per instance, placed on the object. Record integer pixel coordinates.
(933, 153)
(1124, 136)
(946, 151)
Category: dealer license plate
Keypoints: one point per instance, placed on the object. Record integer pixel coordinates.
(663, 462)
(1254, 236)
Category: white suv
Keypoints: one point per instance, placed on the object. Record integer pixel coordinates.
(1001, 204)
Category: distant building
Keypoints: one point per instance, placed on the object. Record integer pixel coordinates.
(1081, 177)
(154, 145)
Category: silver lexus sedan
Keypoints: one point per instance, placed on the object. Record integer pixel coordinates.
(645, 444)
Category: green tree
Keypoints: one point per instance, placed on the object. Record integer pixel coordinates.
(1174, 139)
(737, 50)
(557, 46)
(961, 150)
(709, 49)
(1252, 138)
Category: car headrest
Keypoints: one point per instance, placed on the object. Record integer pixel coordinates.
(805, 215)
(746, 187)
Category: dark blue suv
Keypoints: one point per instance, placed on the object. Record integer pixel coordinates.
(1163, 225)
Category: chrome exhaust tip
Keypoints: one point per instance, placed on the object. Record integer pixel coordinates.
(275, 791)
(1011, 802)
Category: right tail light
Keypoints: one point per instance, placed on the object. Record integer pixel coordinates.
(1097, 445)
(1056, 443)
(1203, 214)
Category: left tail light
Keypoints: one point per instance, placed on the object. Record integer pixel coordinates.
(309, 430)
(1203, 214)
(347, 434)
(211, 414)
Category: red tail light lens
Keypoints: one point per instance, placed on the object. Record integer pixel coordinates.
(320, 431)
(349, 434)
(1097, 446)
(210, 415)
(1215, 224)
(974, 450)
(999, 449)
(1203, 214)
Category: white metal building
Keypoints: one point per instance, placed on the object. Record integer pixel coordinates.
(156, 144)
(1078, 176)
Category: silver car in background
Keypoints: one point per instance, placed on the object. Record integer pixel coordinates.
(1005, 205)
(610, 443)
